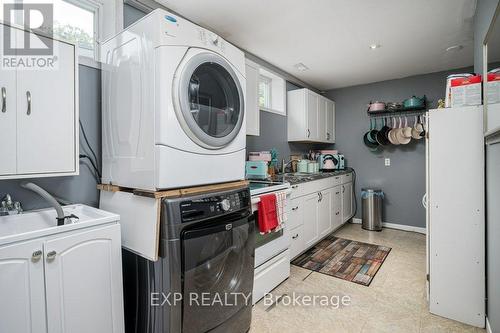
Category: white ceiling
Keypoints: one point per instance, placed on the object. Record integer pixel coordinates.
(332, 37)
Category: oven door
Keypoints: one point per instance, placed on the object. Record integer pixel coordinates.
(217, 270)
(269, 245)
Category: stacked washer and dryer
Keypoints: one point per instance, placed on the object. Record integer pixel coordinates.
(173, 106)
(173, 117)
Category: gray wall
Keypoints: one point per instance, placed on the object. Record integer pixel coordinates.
(273, 134)
(404, 181)
(81, 188)
(484, 13)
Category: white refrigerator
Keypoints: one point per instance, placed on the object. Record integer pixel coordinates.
(455, 204)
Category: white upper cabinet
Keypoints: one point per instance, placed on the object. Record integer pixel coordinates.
(252, 99)
(39, 116)
(311, 117)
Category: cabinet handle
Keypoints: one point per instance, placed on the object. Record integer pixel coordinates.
(337, 213)
(295, 186)
(328, 136)
(4, 100)
(343, 188)
(308, 133)
(51, 255)
(295, 208)
(36, 255)
(28, 98)
(295, 237)
(337, 192)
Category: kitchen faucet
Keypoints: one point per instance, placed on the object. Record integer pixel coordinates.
(9, 207)
(284, 165)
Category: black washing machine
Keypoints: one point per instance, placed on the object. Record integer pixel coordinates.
(203, 279)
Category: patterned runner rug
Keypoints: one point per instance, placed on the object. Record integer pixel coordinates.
(344, 259)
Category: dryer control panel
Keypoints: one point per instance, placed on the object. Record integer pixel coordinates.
(213, 206)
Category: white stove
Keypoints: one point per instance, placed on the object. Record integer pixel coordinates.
(272, 258)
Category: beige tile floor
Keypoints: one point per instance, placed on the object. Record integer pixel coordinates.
(394, 302)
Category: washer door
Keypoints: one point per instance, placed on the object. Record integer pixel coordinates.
(210, 101)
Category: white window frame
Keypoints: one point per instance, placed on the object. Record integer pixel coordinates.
(277, 94)
(112, 10)
(269, 87)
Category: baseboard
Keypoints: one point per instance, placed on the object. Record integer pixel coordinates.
(488, 327)
(420, 230)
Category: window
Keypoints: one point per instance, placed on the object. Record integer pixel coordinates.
(85, 23)
(272, 92)
(265, 91)
(77, 24)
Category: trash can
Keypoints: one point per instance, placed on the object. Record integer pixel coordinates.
(371, 204)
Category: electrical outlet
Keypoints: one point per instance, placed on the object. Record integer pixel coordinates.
(387, 162)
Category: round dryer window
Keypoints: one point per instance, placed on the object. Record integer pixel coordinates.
(211, 100)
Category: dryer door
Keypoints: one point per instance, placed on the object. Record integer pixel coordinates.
(211, 106)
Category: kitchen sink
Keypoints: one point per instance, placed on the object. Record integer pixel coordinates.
(43, 222)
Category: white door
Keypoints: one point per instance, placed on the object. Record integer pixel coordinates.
(322, 119)
(312, 115)
(7, 116)
(457, 215)
(310, 218)
(347, 197)
(252, 99)
(22, 293)
(330, 121)
(337, 207)
(45, 124)
(84, 282)
(325, 213)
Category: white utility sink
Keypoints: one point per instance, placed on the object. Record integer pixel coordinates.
(43, 222)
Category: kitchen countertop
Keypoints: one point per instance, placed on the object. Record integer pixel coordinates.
(297, 178)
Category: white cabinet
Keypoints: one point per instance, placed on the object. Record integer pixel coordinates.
(310, 219)
(22, 294)
(325, 212)
(39, 116)
(347, 201)
(330, 120)
(83, 282)
(252, 98)
(297, 244)
(337, 218)
(70, 282)
(311, 117)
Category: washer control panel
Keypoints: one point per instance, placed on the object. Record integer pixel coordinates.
(212, 206)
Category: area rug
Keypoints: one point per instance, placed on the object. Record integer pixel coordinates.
(344, 259)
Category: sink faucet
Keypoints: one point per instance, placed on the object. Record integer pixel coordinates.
(49, 198)
(9, 207)
(284, 165)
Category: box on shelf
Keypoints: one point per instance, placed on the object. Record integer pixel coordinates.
(493, 88)
(466, 91)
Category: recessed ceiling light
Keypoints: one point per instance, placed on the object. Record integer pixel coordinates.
(375, 46)
(301, 67)
(454, 48)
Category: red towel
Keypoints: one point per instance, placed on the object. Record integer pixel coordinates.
(268, 215)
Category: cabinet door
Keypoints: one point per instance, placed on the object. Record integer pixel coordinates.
(22, 293)
(46, 115)
(330, 121)
(84, 282)
(312, 115)
(310, 218)
(252, 99)
(322, 119)
(347, 198)
(7, 116)
(337, 207)
(297, 245)
(325, 213)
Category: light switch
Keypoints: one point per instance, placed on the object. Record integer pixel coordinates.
(387, 162)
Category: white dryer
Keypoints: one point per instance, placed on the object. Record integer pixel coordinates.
(172, 106)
